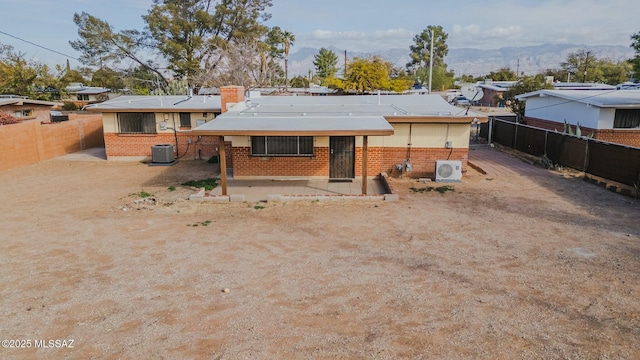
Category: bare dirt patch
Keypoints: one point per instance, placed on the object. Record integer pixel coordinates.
(506, 267)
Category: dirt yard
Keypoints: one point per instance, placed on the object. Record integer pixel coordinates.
(500, 268)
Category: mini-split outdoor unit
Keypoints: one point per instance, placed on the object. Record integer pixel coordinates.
(162, 154)
(448, 170)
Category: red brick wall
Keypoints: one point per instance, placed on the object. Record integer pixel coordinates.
(379, 159)
(31, 141)
(618, 136)
(140, 145)
(246, 165)
(625, 137)
(230, 94)
(40, 112)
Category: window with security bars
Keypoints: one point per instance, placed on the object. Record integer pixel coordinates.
(282, 145)
(137, 123)
(185, 119)
(626, 119)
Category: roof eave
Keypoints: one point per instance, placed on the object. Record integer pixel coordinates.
(436, 119)
(155, 110)
(293, 132)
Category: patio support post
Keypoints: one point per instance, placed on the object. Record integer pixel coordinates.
(223, 165)
(365, 146)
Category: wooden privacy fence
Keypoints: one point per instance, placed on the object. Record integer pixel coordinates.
(615, 162)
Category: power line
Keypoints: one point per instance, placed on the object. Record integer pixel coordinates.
(40, 46)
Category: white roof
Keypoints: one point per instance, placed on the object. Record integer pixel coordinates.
(332, 115)
(23, 101)
(140, 103)
(600, 98)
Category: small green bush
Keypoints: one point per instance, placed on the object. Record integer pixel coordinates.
(207, 184)
(70, 106)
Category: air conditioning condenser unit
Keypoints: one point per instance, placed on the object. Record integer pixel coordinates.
(448, 170)
(162, 155)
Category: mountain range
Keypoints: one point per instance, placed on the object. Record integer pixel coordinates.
(468, 61)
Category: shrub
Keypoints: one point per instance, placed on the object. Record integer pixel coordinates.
(70, 106)
(6, 119)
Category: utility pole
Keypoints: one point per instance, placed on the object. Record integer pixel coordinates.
(431, 60)
(586, 62)
(344, 72)
(518, 70)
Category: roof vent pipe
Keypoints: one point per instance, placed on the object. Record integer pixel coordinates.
(379, 97)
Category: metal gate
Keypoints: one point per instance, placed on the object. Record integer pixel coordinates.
(342, 157)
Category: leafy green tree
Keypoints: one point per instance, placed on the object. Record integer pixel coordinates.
(421, 49)
(503, 74)
(70, 76)
(586, 67)
(367, 75)
(280, 42)
(326, 62)
(99, 44)
(525, 85)
(300, 82)
(189, 33)
(333, 82)
(108, 78)
(26, 78)
(612, 72)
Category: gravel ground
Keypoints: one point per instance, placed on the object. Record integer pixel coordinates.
(544, 266)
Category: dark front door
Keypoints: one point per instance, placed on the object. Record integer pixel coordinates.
(342, 151)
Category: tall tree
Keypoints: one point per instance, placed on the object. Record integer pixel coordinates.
(367, 75)
(26, 78)
(287, 39)
(421, 49)
(109, 78)
(99, 44)
(279, 42)
(243, 63)
(524, 85)
(191, 33)
(503, 74)
(188, 34)
(635, 44)
(326, 62)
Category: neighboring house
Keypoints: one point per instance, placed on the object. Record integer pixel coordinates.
(493, 92)
(26, 109)
(133, 124)
(611, 115)
(84, 95)
(339, 137)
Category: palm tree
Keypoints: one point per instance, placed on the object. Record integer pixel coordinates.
(287, 40)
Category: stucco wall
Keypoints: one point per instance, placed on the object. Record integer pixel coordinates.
(110, 121)
(558, 110)
(418, 135)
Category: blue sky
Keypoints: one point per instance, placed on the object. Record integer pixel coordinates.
(357, 25)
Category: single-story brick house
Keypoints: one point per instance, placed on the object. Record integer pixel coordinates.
(339, 137)
(611, 115)
(27, 109)
(133, 124)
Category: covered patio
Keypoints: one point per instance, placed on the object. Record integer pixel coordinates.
(243, 124)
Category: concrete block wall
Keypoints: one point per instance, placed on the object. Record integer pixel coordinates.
(32, 141)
